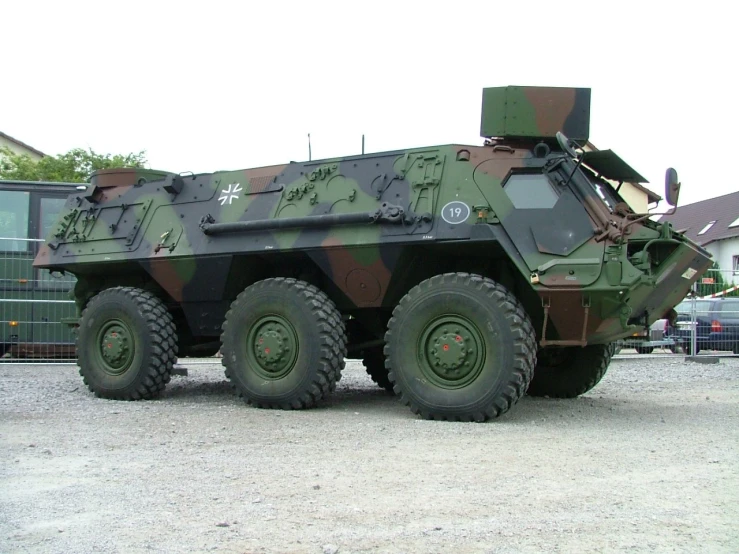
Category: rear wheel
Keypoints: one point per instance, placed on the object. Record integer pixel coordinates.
(126, 345)
(460, 347)
(374, 364)
(283, 344)
(567, 372)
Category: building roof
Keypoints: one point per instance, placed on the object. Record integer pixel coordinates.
(23, 144)
(694, 219)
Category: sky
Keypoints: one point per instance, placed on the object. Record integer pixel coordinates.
(207, 86)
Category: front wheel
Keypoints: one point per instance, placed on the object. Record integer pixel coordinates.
(644, 349)
(126, 346)
(567, 372)
(460, 347)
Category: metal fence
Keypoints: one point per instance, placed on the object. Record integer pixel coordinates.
(33, 303)
(708, 321)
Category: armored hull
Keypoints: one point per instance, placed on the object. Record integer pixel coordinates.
(387, 256)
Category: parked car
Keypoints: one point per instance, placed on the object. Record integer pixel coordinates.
(659, 337)
(717, 324)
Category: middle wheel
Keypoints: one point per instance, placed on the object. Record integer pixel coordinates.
(283, 344)
(460, 347)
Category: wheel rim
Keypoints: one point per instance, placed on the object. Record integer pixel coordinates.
(272, 347)
(116, 347)
(451, 352)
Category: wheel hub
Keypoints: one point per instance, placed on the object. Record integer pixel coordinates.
(451, 351)
(115, 347)
(273, 346)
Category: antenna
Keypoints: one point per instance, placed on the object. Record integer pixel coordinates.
(309, 152)
(363, 145)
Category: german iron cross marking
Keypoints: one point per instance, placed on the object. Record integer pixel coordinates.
(227, 195)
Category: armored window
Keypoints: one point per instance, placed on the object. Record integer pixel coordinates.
(531, 191)
(14, 220)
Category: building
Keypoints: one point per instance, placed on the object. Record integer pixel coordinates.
(714, 224)
(19, 147)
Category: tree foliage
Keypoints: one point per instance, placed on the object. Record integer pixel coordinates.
(75, 166)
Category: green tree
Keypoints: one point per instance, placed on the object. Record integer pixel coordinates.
(75, 166)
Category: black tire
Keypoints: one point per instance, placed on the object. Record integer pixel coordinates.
(126, 344)
(688, 349)
(283, 344)
(374, 363)
(486, 341)
(567, 372)
(644, 349)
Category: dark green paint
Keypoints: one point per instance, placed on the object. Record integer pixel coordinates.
(587, 271)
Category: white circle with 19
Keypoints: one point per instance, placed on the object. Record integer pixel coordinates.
(455, 212)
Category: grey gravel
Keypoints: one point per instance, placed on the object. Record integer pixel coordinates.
(645, 462)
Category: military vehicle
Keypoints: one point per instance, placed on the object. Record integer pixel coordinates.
(463, 276)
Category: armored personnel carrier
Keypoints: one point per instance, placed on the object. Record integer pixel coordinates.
(463, 276)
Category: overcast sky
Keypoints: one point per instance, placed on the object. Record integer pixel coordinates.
(205, 86)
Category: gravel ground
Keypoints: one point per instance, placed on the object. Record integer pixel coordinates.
(647, 461)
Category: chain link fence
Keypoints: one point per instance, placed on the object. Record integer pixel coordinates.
(33, 303)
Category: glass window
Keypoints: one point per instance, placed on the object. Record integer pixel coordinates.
(49, 212)
(728, 306)
(532, 191)
(50, 208)
(686, 306)
(706, 228)
(13, 220)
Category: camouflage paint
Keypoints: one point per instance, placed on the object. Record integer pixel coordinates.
(585, 274)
